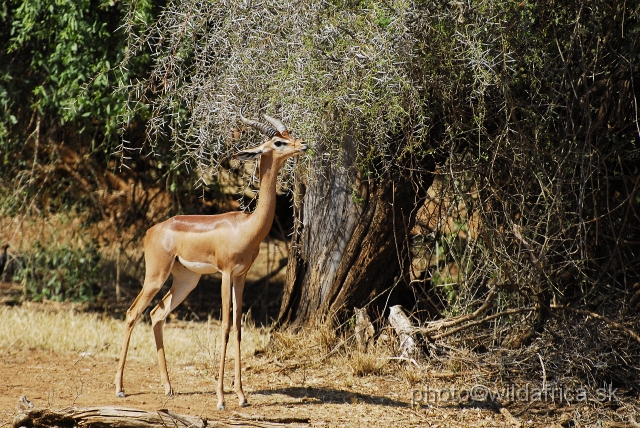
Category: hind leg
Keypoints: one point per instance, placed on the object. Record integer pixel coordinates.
(184, 281)
(158, 269)
(152, 284)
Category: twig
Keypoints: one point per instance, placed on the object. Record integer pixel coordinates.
(437, 325)
(601, 318)
(478, 322)
(78, 392)
(286, 366)
(544, 373)
(411, 360)
(281, 420)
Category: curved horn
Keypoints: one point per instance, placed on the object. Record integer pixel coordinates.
(278, 125)
(264, 129)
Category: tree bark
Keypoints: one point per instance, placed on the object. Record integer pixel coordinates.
(350, 242)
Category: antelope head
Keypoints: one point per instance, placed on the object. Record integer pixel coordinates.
(280, 145)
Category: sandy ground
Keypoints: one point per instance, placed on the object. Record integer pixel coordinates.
(325, 395)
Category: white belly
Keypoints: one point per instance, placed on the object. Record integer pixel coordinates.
(199, 267)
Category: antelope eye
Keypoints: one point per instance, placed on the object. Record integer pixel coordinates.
(279, 143)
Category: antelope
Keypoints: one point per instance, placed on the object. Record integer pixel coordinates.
(187, 246)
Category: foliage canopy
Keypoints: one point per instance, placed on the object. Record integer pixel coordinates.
(530, 107)
(59, 117)
(327, 70)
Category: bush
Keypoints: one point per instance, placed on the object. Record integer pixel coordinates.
(62, 273)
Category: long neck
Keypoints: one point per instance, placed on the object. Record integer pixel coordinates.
(262, 218)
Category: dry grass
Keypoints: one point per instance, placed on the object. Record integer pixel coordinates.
(412, 375)
(65, 328)
(366, 363)
(322, 344)
(314, 371)
(306, 344)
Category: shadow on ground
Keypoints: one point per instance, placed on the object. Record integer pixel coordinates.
(330, 396)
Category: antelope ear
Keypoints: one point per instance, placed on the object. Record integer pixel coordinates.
(248, 154)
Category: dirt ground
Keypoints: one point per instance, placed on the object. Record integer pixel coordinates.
(51, 380)
(327, 394)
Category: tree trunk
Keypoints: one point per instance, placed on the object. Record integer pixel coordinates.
(350, 243)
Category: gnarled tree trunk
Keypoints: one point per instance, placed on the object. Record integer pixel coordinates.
(350, 243)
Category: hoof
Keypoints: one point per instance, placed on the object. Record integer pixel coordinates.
(120, 394)
(220, 406)
(245, 404)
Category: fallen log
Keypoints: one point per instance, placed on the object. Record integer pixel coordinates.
(106, 417)
(119, 417)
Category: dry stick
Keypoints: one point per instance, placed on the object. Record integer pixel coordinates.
(437, 325)
(393, 224)
(277, 419)
(478, 322)
(601, 318)
(106, 416)
(624, 221)
(35, 132)
(409, 360)
(544, 373)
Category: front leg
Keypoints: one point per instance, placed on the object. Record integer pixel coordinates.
(226, 301)
(238, 288)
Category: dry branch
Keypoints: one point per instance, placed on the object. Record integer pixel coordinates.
(440, 324)
(617, 325)
(478, 322)
(117, 417)
(280, 420)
